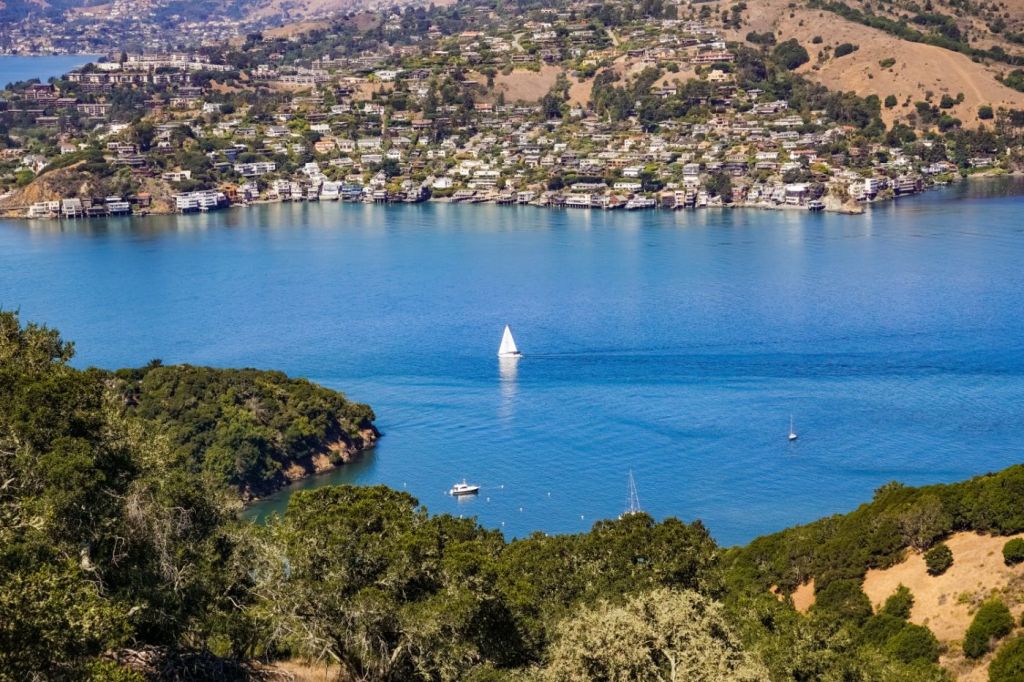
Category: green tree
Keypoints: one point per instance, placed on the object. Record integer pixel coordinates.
(899, 603)
(790, 54)
(382, 588)
(658, 635)
(938, 559)
(1008, 665)
(720, 185)
(844, 49)
(914, 643)
(992, 621)
(1013, 551)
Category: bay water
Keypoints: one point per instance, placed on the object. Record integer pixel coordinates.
(673, 345)
(15, 68)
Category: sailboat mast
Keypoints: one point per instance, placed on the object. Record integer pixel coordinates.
(633, 499)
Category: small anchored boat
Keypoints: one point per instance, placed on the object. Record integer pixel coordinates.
(508, 349)
(460, 489)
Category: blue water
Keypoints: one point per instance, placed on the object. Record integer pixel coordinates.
(673, 344)
(17, 68)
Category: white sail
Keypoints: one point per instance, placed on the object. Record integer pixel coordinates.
(508, 344)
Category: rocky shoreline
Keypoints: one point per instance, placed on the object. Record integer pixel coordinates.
(337, 454)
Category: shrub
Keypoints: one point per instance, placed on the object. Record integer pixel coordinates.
(946, 102)
(1008, 665)
(1015, 79)
(938, 559)
(992, 621)
(845, 599)
(888, 62)
(791, 54)
(816, 40)
(947, 123)
(890, 101)
(766, 38)
(985, 112)
(914, 643)
(878, 630)
(1013, 551)
(899, 603)
(844, 49)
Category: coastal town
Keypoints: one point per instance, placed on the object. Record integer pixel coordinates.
(584, 105)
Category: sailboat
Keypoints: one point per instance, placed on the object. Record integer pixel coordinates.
(508, 349)
(792, 433)
(632, 499)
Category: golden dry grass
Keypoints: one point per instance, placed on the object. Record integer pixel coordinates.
(946, 603)
(522, 85)
(919, 68)
(803, 596)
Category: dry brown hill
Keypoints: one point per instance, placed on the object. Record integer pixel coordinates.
(946, 603)
(919, 69)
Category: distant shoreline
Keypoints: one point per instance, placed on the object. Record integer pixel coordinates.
(831, 206)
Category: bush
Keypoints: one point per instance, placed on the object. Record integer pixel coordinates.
(938, 559)
(1015, 79)
(914, 643)
(844, 599)
(947, 123)
(890, 101)
(766, 38)
(844, 49)
(899, 603)
(878, 630)
(1008, 665)
(1013, 552)
(791, 54)
(992, 621)
(888, 62)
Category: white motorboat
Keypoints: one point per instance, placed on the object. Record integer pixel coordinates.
(792, 433)
(460, 489)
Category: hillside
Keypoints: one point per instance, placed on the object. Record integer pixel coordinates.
(855, 563)
(947, 603)
(125, 559)
(919, 72)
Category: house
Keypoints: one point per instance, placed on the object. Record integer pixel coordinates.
(72, 208)
(255, 169)
(44, 209)
(203, 200)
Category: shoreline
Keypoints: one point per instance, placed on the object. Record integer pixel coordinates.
(830, 204)
(336, 456)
